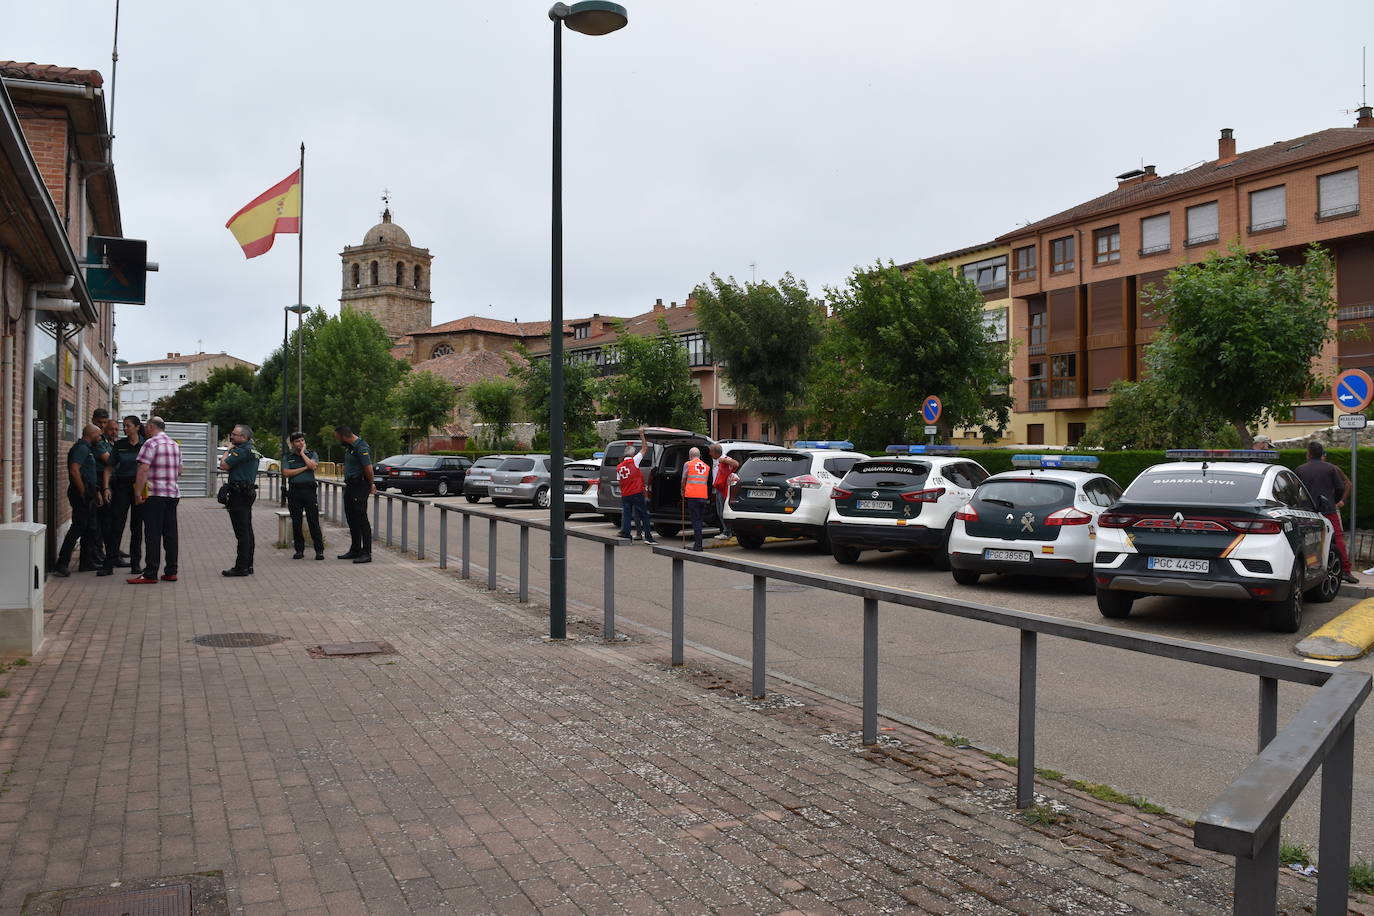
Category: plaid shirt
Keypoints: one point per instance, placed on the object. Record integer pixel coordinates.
(163, 457)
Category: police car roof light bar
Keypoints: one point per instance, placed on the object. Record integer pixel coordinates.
(1069, 462)
(1222, 454)
(824, 443)
(923, 449)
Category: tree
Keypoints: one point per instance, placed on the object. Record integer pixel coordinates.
(1242, 333)
(422, 401)
(897, 336)
(185, 405)
(232, 406)
(581, 388)
(1142, 415)
(191, 402)
(764, 337)
(349, 377)
(493, 400)
(653, 381)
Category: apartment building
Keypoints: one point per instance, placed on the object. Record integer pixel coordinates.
(142, 384)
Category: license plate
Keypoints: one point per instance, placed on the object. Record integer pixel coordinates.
(571, 488)
(1176, 564)
(1015, 556)
(760, 494)
(876, 505)
(502, 490)
(407, 473)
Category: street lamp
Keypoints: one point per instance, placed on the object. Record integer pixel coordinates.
(299, 310)
(590, 17)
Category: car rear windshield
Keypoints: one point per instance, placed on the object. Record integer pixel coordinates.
(775, 464)
(839, 466)
(1199, 487)
(395, 460)
(424, 462)
(888, 474)
(518, 464)
(1027, 493)
(490, 462)
(579, 472)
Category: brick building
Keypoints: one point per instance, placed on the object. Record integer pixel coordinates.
(1078, 278)
(57, 188)
(141, 384)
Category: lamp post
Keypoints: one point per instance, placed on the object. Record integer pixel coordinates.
(590, 17)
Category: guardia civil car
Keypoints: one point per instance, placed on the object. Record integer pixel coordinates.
(903, 502)
(1220, 523)
(785, 492)
(1037, 520)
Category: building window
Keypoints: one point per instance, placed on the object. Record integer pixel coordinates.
(988, 274)
(1338, 193)
(140, 376)
(1076, 431)
(374, 273)
(357, 276)
(744, 430)
(698, 350)
(582, 331)
(1107, 245)
(442, 350)
(400, 274)
(1037, 325)
(1064, 375)
(1061, 255)
(418, 276)
(1039, 382)
(1203, 225)
(995, 324)
(1268, 209)
(1154, 234)
(1024, 259)
(1312, 413)
(1035, 433)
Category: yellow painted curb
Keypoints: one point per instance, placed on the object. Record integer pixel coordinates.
(1347, 637)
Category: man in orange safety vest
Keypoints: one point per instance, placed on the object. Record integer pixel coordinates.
(696, 475)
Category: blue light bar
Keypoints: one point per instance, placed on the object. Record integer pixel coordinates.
(923, 449)
(1070, 462)
(598, 454)
(1222, 454)
(824, 443)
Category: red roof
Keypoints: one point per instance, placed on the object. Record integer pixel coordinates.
(49, 73)
(468, 367)
(680, 320)
(491, 326)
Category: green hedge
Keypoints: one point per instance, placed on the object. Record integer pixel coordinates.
(574, 454)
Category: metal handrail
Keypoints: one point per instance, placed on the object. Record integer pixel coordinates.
(1243, 822)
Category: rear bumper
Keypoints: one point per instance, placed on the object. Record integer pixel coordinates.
(781, 527)
(474, 488)
(885, 537)
(524, 493)
(1049, 567)
(1217, 584)
(411, 485)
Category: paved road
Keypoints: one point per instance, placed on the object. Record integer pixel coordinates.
(1173, 732)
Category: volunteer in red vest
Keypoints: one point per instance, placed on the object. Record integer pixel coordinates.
(696, 476)
(634, 504)
(725, 466)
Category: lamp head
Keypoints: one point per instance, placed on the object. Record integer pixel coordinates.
(590, 17)
(298, 309)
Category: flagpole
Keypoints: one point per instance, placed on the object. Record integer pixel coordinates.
(300, 299)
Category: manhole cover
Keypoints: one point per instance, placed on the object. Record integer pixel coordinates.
(237, 640)
(780, 587)
(345, 649)
(159, 901)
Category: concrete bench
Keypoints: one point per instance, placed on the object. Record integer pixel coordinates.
(284, 531)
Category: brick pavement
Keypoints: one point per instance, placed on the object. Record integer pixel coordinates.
(483, 770)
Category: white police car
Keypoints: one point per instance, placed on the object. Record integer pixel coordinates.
(786, 492)
(1220, 523)
(1038, 520)
(903, 502)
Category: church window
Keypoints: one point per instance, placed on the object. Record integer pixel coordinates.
(417, 276)
(357, 275)
(400, 274)
(442, 350)
(374, 273)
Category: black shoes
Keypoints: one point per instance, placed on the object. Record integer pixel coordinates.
(1349, 577)
(236, 572)
(319, 556)
(104, 571)
(363, 558)
(123, 563)
(298, 555)
(348, 556)
(61, 570)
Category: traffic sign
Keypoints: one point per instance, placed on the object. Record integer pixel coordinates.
(1352, 421)
(935, 430)
(931, 408)
(1353, 391)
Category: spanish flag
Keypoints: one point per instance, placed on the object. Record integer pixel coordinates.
(278, 209)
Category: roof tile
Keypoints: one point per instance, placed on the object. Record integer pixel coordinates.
(50, 73)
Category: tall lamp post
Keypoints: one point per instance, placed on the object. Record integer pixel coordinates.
(590, 17)
(299, 311)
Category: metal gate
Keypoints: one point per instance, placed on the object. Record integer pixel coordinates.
(197, 441)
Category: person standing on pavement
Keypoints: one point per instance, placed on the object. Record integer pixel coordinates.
(83, 493)
(696, 475)
(1329, 489)
(242, 464)
(157, 492)
(358, 489)
(119, 489)
(302, 497)
(104, 447)
(725, 466)
(634, 505)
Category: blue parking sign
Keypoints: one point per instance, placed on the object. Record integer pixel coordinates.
(931, 409)
(1352, 391)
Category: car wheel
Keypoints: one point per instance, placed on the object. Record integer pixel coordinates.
(500, 503)
(541, 498)
(1286, 616)
(844, 553)
(473, 498)
(749, 541)
(966, 576)
(1330, 585)
(441, 489)
(1115, 605)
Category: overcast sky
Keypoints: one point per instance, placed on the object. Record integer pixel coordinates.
(800, 136)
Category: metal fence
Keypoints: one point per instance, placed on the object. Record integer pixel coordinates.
(1243, 822)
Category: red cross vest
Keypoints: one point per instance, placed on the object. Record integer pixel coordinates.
(630, 477)
(696, 474)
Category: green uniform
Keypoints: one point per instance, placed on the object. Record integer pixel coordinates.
(357, 457)
(103, 448)
(305, 478)
(83, 454)
(243, 464)
(124, 458)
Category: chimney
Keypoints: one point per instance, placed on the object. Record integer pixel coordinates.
(674, 305)
(1149, 173)
(1366, 116)
(1226, 147)
(658, 305)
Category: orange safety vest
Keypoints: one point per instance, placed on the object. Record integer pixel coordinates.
(696, 473)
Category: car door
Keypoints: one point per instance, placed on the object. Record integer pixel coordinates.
(1308, 532)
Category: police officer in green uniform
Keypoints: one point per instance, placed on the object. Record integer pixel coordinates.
(104, 448)
(358, 489)
(302, 496)
(242, 465)
(120, 474)
(84, 496)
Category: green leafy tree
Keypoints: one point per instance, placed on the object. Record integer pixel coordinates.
(653, 382)
(185, 405)
(494, 402)
(379, 432)
(423, 401)
(191, 402)
(1142, 415)
(581, 389)
(1242, 333)
(231, 406)
(350, 372)
(764, 336)
(897, 336)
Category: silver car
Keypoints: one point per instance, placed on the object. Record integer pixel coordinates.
(522, 479)
(479, 476)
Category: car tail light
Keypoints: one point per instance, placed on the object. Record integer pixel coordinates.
(1187, 524)
(529, 478)
(967, 514)
(837, 493)
(924, 496)
(806, 482)
(1069, 516)
(1257, 526)
(1114, 520)
(421, 474)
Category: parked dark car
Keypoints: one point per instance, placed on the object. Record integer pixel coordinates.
(383, 470)
(441, 475)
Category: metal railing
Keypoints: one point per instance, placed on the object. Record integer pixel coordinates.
(269, 483)
(1243, 822)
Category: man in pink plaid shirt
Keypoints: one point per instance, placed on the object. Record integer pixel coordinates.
(155, 488)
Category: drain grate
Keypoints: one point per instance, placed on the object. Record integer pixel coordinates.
(347, 649)
(159, 901)
(237, 640)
